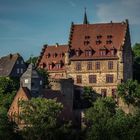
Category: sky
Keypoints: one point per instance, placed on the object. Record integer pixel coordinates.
(26, 25)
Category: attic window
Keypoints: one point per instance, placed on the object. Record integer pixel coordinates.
(88, 52)
(78, 52)
(87, 37)
(26, 81)
(109, 36)
(108, 41)
(98, 42)
(102, 52)
(99, 36)
(48, 55)
(86, 42)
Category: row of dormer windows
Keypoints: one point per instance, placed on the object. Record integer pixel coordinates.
(54, 55)
(52, 66)
(102, 52)
(78, 66)
(99, 37)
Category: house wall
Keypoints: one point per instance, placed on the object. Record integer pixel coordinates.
(19, 68)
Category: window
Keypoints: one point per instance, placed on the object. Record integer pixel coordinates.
(88, 53)
(89, 66)
(26, 81)
(99, 36)
(92, 78)
(58, 66)
(103, 92)
(86, 42)
(77, 52)
(78, 66)
(79, 79)
(113, 93)
(103, 52)
(109, 78)
(40, 82)
(97, 65)
(17, 70)
(109, 36)
(98, 42)
(108, 41)
(112, 51)
(110, 65)
(21, 70)
(21, 61)
(87, 37)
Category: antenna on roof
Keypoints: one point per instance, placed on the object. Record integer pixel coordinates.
(85, 18)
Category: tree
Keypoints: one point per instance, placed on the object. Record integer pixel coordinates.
(98, 118)
(88, 97)
(107, 122)
(40, 116)
(8, 88)
(136, 66)
(32, 60)
(129, 92)
(136, 50)
(7, 85)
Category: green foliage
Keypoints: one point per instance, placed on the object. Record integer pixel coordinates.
(7, 128)
(44, 75)
(136, 50)
(136, 66)
(89, 96)
(41, 115)
(107, 122)
(129, 92)
(7, 85)
(98, 118)
(32, 60)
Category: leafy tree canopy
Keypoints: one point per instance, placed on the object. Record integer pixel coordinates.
(136, 50)
(41, 116)
(32, 60)
(129, 92)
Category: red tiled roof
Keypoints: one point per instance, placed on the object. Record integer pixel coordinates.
(53, 55)
(84, 36)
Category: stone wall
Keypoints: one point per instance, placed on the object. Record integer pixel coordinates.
(100, 75)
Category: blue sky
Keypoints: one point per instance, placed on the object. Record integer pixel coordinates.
(25, 25)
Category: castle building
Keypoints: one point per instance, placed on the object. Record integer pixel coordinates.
(97, 55)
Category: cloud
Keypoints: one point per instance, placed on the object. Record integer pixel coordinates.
(119, 10)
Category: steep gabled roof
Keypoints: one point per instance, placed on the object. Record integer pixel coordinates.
(96, 36)
(53, 54)
(7, 63)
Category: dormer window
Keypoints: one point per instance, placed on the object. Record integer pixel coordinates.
(109, 36)
(86, 43)
(58, 65)
(98, 42)
(87, 37)
(78, 52)
(88, 52)
(102, 52)
(99, 36)
(108, 41)
(113, 51)
(48, 55)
